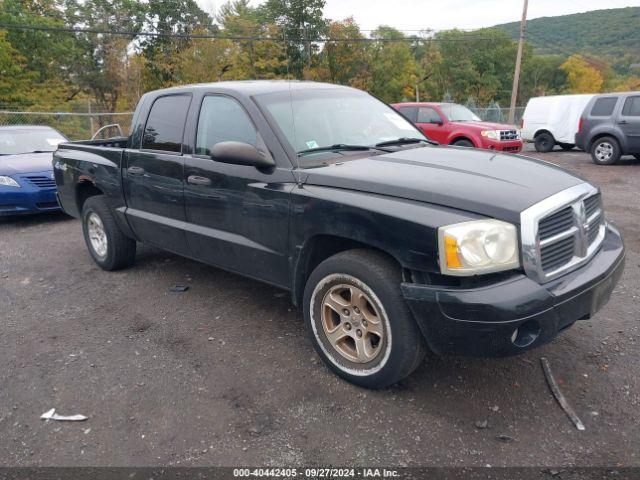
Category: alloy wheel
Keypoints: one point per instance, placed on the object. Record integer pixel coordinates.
(352, 324)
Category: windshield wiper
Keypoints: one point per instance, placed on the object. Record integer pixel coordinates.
(404, 141)
(343, 147)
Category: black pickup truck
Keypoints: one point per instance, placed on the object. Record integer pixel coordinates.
(390, 244)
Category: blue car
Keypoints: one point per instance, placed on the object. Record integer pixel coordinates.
(27, 183)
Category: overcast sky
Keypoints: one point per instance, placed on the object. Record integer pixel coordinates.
(445, 14)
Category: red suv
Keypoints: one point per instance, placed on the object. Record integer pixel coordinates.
(453, 124)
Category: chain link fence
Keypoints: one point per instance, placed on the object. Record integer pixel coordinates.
(76, 126)
(82, 126)
(498, 114)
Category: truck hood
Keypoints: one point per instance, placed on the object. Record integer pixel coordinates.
(25, 163)
(487, 183)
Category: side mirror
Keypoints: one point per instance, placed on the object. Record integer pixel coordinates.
(240, 153)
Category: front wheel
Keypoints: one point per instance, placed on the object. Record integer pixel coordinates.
(463, 143)
(605, 151)
(359, 321)
(109, 247)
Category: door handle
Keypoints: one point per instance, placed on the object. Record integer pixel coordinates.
(197, 180)
(135, 170)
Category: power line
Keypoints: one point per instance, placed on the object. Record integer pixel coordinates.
(134, 33)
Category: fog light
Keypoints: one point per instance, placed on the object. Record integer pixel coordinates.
(525, 334)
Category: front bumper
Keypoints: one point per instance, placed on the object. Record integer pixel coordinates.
(28, 198)
(482, 321)
(511, 146)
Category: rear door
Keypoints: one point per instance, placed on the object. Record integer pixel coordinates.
(629, 122)
(153, 176)
(238, 215)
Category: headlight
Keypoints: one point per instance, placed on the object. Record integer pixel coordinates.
(476, 247)
(8, 182)
(492, 134)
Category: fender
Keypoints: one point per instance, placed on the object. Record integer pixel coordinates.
(404, 229)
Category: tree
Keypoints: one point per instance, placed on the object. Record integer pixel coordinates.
(345, 62)
(15, 82)
(44, 56)
(301, 22)
(392, 66)
(165, 17)
(478, 63)
(581, 76)
(264, 58)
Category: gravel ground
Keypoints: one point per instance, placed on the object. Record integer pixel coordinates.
(224, 374)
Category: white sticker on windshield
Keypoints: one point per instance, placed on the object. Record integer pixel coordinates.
(312, 144)
(54, 141)
(397, 120)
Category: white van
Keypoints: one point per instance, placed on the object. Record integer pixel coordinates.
(553, 120)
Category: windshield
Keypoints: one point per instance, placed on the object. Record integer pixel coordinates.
(458, 113)
(27, 140)
(317, 119)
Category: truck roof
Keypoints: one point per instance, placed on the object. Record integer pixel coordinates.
(255, 87)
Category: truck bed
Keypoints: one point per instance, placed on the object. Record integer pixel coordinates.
(83, 167)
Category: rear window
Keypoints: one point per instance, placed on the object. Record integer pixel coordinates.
(631, 107)
(604, 107)
(165, 124)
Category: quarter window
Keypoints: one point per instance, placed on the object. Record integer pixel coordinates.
(604, 107)
(165, 124)
(222, 119)
(631, 107)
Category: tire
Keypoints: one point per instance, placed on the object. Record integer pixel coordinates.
(109, 247)
(463, 143)
(567, 146)
(605, 151)
(391, 344)
(544, 142)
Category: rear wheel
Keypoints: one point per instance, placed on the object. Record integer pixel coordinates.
(109, 247)
(567, 146)
(463, 143)
(359, 321)
(605, 151)
(544, 142)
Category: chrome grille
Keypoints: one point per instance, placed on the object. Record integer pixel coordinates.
(556, 223)
(507, 135)
(562, 232)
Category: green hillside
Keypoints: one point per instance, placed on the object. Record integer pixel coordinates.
(609, 35)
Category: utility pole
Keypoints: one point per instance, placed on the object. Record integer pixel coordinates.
(516, 75)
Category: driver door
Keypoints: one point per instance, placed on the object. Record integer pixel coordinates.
(238, 215)
(432, 124)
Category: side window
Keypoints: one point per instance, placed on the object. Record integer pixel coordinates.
(604, 107)
(410, 112)
(222, 119)
(428, 115)
(631, 107)
(165, 124)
